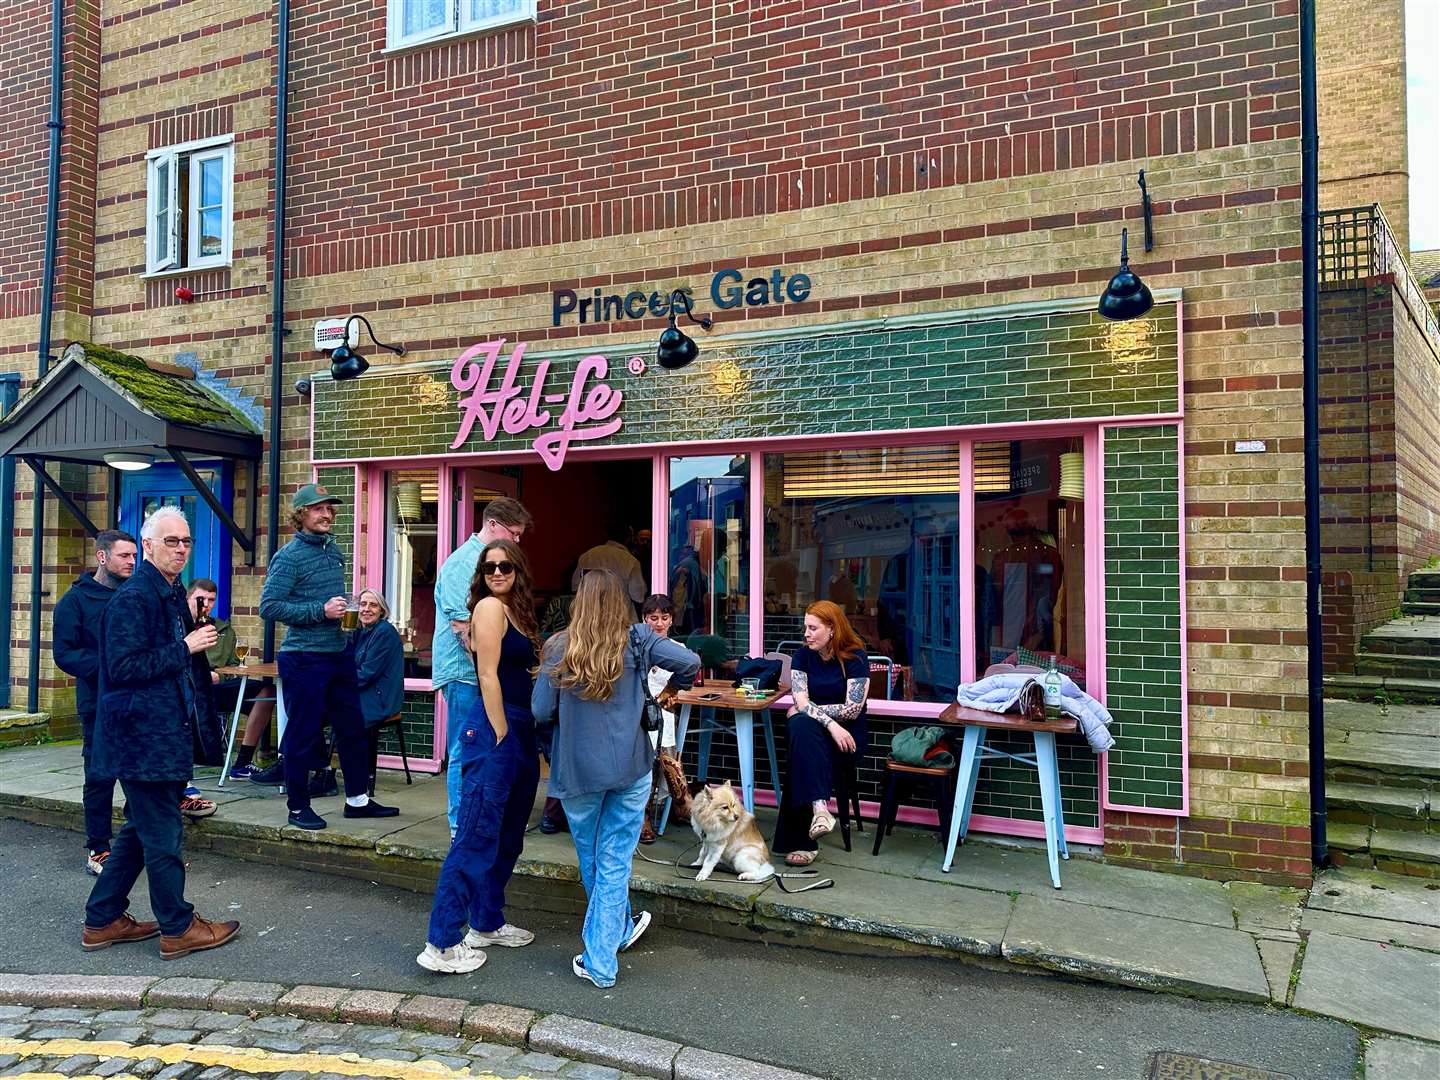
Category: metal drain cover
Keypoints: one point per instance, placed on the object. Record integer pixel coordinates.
(1170, 1066)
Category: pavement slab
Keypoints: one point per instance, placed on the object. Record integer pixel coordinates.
(1262, 909)
(1373, 894)
(1136, 950)
(1411, 935)
(1386, 987)
(1278, 960)
(1388, 1058)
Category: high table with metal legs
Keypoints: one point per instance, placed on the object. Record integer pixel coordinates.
(246, 672)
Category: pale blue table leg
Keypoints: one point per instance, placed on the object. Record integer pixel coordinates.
(682, 725)
(745, 742)
(707, 731)
(770, 749)
(234, 727)
(964, 790)
(1050, 799)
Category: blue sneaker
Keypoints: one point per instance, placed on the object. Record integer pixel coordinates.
(243, 772)
(577, 965)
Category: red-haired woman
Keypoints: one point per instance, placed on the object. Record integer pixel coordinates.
(829, 679)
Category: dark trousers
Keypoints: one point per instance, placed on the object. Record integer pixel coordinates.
(321, 688)
(809, 775)
(497, 793)
(98, 794)
(150, 840)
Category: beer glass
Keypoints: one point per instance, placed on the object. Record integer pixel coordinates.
(241, 652)
(351, 619)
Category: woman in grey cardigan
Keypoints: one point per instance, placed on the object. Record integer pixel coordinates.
(590, 681)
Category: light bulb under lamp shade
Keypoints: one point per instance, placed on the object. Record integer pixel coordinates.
(407, 500)
(129, 462)
(1072, 476)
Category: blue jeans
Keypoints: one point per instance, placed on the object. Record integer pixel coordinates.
(150, 840)
(460, 699)
(499, 793)
(606, 828)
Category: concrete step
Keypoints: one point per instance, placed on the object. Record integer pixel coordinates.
(1365, 688)
(1393, 665)
(1421, 607)
(1378, 806)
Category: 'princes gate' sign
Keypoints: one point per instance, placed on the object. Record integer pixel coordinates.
(590, 411)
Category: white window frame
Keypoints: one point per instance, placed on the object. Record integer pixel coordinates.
(162, 237)
(455, 24)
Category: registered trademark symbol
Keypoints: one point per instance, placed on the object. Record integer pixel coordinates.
(635, 365)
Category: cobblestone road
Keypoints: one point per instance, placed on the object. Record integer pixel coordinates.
(172, 1044)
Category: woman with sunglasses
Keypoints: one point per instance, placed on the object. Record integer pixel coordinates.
(499, 770)
(590, 687)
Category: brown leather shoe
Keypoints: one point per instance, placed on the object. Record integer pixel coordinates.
(125, 928)
(202, 934)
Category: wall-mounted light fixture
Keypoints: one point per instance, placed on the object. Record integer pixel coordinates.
(1126, 297)
(676, 349)
(345, 362)
(128, 462)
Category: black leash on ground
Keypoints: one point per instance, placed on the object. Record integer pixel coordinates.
(777, 878)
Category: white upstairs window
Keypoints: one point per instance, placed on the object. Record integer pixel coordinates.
(190, 206)
(410, 22)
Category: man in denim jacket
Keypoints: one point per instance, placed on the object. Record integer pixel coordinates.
(452, 660)
(304, 589)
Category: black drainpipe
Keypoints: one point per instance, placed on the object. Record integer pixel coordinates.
(277, 293)
(1310, 318)
(47, 311)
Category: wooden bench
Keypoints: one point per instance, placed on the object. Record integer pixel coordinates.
(975, 723)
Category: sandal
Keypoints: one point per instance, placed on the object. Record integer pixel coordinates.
(801, 858)
(822, 823)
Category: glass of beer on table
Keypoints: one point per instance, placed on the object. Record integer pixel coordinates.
(351, 619)
(241, 652)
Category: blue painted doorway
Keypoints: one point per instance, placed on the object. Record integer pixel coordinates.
(166, 485)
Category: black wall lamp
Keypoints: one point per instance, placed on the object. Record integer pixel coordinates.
(1126, 296)
(345, 362)
(676, 349)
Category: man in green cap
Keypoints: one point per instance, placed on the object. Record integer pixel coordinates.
(305, 590)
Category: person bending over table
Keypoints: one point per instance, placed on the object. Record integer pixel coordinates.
(379, 668)
(829, 679)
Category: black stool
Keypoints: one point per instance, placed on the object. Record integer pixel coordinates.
(898, 780)
(846, 795)
(398, 723)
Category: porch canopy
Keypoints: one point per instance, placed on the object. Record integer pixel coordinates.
(98, 403)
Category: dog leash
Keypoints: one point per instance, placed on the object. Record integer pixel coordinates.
(775, 878)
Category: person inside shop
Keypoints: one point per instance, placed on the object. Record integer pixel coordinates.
(590, 689)
(304, 589)
(154, 693)
(614, 556)
(500, 770)
(1026, 577)
(641, 546)
(258, 704)
(452, 659)
(829, 680)
(379, 669)
(689, 589)
(75, 644)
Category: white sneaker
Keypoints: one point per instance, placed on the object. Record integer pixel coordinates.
(512, 937)
(577, 965)
(456, 960)
(638, 925)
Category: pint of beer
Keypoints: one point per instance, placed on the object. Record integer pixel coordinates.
(351, 619)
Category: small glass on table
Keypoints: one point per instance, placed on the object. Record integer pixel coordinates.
(241, 652)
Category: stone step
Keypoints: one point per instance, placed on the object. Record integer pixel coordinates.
(1404, 844)
(1364, 688)
(1378, 805)
(1425, 579)
(1409, 760)
(1392, 665)
(1412, 854)
(1421, 607)
(19, 728)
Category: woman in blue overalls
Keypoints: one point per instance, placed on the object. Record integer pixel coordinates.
(499, 770)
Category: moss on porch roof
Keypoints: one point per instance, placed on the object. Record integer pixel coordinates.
(176, 398)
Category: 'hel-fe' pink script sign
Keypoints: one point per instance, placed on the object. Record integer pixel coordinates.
(589, 413)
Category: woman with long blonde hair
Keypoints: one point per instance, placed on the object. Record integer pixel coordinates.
(590, 688)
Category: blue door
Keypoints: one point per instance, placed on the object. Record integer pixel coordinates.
(166, 485)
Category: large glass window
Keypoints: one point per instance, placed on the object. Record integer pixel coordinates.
(708, 539)
(876, 531)
(411, 531)
(1030, 554)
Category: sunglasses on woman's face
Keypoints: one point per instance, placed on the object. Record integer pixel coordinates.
(502, 569)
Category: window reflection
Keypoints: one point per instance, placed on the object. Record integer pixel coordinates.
(411, 520)
(708, 545)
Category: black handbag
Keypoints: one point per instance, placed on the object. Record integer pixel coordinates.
(765, 671)
(652, 717)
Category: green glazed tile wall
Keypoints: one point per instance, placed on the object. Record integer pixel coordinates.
(341, 483)
(417, 716)
(1025, 367)
(1142, 615)
(1008, 789)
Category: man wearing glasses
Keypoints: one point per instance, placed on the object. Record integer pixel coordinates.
(452, 659)
(304, 589)
(154, 709)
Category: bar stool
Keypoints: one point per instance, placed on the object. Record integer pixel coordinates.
(899, 778)
(397, 722)
(846, 794)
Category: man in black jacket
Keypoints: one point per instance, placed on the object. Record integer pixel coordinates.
(76, 647)
(154, 709)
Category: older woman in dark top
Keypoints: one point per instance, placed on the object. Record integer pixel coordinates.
(379, 668)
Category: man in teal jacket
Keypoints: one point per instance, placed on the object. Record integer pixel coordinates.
(304, 589)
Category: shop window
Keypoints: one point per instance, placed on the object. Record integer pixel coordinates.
(708, 538)
(1030, 554)
(411, 22)
(412, 503)
(189, 206)
(876, 531)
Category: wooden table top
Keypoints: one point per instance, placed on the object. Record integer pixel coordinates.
(256, 670)
(959, 714)
(729, 697)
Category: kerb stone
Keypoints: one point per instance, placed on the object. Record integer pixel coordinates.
(497, 1023)
(243, 997)
(370, 1007)
(312, 1002)
(696, 1064)
(110, 991)
(432, 1013)
(628, 1050)
(182, 993)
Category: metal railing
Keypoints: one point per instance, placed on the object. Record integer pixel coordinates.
(1355, 244)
